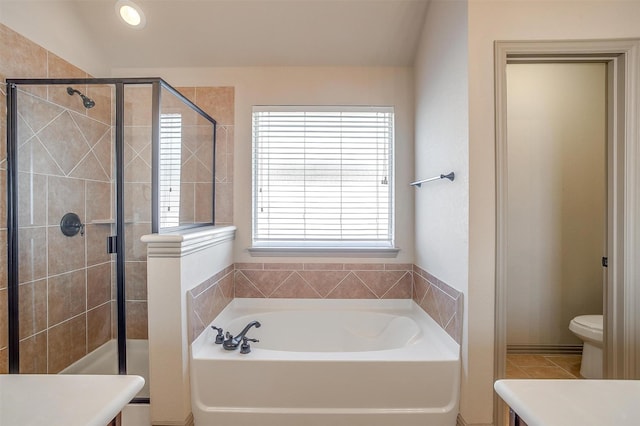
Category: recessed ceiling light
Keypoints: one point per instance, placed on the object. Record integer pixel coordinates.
(130, 13)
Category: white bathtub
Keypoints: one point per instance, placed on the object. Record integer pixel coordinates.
(327, 362)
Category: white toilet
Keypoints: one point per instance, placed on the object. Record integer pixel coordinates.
(589, 329)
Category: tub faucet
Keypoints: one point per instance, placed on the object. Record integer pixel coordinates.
(231, 343)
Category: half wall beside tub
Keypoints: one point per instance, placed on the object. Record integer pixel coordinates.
(176, 264)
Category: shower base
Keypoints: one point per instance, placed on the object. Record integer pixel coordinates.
(104, 360)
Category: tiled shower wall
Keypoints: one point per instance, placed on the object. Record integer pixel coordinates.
(326, 281)
(65, 290)
(21, 58)
(137, 207)
(64, 166)
(218, 102)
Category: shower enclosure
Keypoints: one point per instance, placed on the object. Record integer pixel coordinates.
(94, 164)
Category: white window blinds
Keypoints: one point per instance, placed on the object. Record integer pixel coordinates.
(170, 161)
(322, 176)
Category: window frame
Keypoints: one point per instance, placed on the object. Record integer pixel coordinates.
(358, 248)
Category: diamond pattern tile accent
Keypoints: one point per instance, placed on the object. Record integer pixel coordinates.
(24, 131)
(402, 289)
(323, 282)
(36, 112)
(137, 171)
(103, 151)
(189, 170)
(441, 301)
(34, 158)
(92, 130)
(420, 287)
(64, 141)
(334, 281)
(379, 281)
(295, 287)
(244, 287)
(90, 168)
(351, 288)
(267, 281)
(207, 300)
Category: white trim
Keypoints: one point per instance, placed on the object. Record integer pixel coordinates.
(322, 108)
(323, 251)
(622, 298)
(180, 244)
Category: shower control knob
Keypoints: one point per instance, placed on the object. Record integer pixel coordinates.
(219, 336)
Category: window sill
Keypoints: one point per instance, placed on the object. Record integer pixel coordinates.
(324, 251)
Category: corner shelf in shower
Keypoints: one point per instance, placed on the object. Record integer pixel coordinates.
(103, 221)
(109, 222)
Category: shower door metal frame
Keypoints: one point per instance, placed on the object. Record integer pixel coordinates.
(12, 196)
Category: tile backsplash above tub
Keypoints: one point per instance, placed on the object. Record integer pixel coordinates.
(326, 281)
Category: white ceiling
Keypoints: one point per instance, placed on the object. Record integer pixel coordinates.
(211, 33)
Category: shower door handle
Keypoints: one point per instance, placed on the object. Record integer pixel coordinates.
(112, 244)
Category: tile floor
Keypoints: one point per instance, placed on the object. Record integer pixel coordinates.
(530, 366)
(527, 366)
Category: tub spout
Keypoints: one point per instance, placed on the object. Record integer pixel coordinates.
(232, 343)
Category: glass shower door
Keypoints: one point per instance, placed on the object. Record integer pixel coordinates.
(83, 176)
(64, 179)
(137, 222)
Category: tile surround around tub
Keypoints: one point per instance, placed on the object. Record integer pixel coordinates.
(325, 280)
(208, 299)
(331, 281)
(442, 302)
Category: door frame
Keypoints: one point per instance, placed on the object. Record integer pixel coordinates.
(621, 323)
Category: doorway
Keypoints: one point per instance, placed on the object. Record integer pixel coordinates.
(556, 211)
(619, 297)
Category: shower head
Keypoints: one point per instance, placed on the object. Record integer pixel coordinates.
(86, 101)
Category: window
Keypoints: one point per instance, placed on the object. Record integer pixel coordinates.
(322, 177)
(170, 161)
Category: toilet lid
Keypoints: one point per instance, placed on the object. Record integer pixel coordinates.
(593, 322)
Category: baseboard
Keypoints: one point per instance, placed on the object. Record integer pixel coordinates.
(187, 422)
(136, 415)
(460, 422)
(545, 349)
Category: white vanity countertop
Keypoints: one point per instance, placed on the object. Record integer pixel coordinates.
(573, 402)
(61, 399)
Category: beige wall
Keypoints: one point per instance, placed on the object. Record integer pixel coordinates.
(556, 127)
(509, 20)
(58, 28)
(308, 86)
(442, 135)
